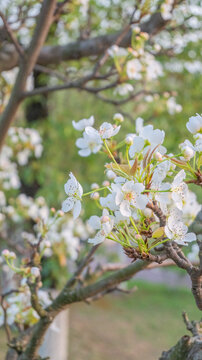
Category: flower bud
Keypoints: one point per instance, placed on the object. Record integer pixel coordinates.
(110, 174)
(53, 210)
(60, 213)
(5, 253)
(35, 272)
(157, 47)
(47, 244)
(105, 219)
(12, 255)
(106, 183)
(118, 117)
(94, 186)
(129, 140)
(144, 35)
(95, 196)
(158, 156)
(136, 29)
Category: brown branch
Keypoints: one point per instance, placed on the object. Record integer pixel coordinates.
(18, 47)
(77, 84)
(84, 263)
(6, 326)
(44, 21)
(84, 48)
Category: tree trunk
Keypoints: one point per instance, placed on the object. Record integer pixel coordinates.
(55, 344)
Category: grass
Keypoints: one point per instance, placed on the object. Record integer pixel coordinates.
(134, 327)
(128, 327)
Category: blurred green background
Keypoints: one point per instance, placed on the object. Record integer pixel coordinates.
(129, 327)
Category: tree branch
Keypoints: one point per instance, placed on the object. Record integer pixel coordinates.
(34, 338)
(83, 48)
(44, 21)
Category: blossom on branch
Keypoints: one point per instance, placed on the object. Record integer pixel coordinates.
(74, 191)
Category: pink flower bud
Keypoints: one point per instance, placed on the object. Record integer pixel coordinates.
(60, 213)
(106, 183)
(105, 219)
(158, 156)
(5, 253)
(95, 196)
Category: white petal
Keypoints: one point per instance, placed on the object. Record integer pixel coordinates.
(99, 238)
(190, 237)
(138, 188)
(81, 143)
(168, 233)
(94, 222)
(141, 201)
(77, 209)
(68, 204)
(125, 208)
(84, 152)
(137, 146)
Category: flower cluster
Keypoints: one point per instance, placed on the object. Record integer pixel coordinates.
(19, 311)
(143, 178)
(23, 144)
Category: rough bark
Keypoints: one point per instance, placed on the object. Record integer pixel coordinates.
(187, 348)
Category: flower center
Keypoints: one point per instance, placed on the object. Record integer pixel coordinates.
(129, 196)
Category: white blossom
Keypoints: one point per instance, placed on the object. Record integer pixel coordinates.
(133, 69)
(194, 125)
(129, 195)
(179, 189)
(104, 225)
(123, 89)
(176, 230)
(91, 142)
(106, 131)
(172, 106)
(198, 143)
(187, 150)
(74, 191)
(81, 125)
(118, 117)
